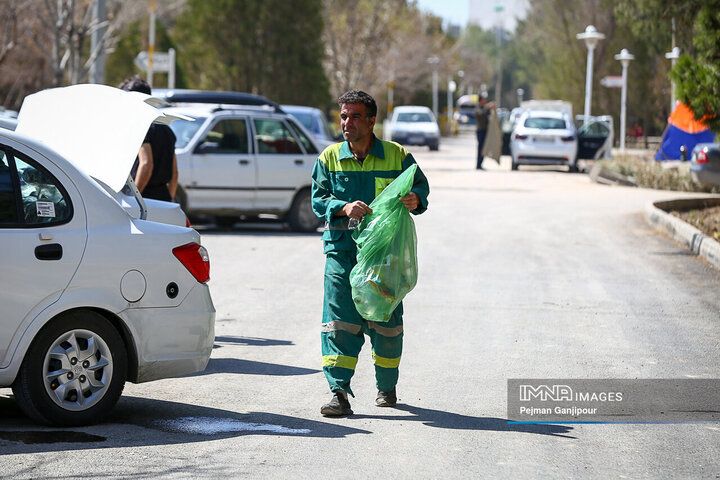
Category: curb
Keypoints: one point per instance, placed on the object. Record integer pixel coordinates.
(656, 214)
(607, 177)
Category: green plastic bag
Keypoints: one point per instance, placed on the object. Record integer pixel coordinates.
(386, 267)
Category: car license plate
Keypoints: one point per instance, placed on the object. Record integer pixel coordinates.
(544, 140)
(415, 139)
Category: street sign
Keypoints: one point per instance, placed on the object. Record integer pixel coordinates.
(160, 63)
(612, 81)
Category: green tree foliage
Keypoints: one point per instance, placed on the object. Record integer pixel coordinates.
(697, 77)
(697, 33)
(120, 63)
(268, 47)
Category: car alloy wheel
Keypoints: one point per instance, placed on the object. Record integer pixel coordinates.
(77, 370)
(74, 371)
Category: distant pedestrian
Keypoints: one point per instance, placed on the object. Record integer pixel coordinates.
(482, 115)
(155, 169)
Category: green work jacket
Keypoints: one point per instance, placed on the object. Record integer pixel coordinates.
(338, 179)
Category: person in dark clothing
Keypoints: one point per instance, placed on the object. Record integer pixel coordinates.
(155, 169)
(482, 113)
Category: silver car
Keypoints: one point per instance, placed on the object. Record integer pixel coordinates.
(544, 137)
(705, 163)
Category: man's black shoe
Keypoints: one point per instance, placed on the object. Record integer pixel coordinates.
(386, 399)
(337, 407)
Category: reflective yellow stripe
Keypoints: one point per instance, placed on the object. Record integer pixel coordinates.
(340, 361)
(336, 325)
(385, 362)
(385, 331)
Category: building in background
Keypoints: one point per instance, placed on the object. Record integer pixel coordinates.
(487, 15)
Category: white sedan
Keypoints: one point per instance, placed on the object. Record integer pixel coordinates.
(92, 296)
(544, 137)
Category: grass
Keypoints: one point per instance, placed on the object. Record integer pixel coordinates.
(658, 175)
(650, 174)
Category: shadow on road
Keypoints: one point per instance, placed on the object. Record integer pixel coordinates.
(137, 422)
(249, 367)
(251, 341)
(455, 421)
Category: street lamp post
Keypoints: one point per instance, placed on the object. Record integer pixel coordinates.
(672, 55)
(591, 37)
(452, 86)
(624, 56)
(433, 61)
(520, 92)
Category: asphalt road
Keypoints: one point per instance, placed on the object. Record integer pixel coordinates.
(530, 274)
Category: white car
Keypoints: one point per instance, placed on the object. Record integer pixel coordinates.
(130, 198)
(544, 137)
(414, 125)
(242, 157)
(92, 296)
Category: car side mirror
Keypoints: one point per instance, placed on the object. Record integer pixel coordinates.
(207, 147)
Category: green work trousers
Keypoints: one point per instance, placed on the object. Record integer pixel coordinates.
(344, 330)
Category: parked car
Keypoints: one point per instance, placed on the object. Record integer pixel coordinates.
(508, 125)
(92, 296)
(314, 120)
(241, 156)
(549, 137)
(544, 137)
(705, 163)
(414, 125)
(8, 123)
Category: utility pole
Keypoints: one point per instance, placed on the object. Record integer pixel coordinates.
(97, 68)
(151, 43)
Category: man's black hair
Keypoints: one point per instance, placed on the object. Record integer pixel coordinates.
(135, 84)
(358, 96)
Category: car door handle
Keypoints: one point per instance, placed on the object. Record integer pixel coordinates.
(244, 162)
(52, 251)
(299, 162)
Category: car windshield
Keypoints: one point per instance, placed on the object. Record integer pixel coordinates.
(545, 123)
(415, 117)
(184, 130)
(305, 118)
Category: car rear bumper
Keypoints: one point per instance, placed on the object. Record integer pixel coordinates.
(704, 176)
(542, 160)
(174, 341)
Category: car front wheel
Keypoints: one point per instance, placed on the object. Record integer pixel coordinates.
(74, 371)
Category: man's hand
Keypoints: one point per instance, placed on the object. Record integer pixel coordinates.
(356, 209)
(411, 201)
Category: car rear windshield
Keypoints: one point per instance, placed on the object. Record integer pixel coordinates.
(414, 117)
(184, 131)
(544, 123)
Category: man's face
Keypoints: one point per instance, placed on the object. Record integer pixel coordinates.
(354, 123)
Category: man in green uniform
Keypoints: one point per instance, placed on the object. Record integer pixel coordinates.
(346, 178)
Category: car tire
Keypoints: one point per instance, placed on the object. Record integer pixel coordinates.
(301, 217)
(74, 371)
(513, 165)
(434, 147)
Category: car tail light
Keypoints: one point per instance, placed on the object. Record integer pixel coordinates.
(187, 222)
(702, 156)
(520, 137)
(196, 259)
(568, 139)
